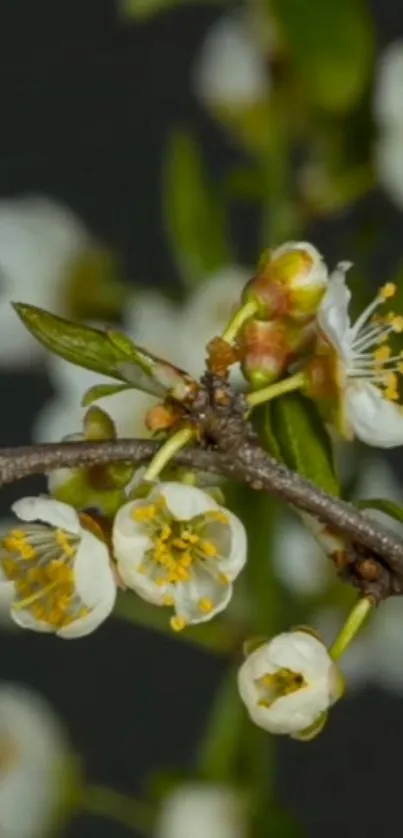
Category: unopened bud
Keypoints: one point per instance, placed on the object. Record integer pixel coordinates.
(98, 425)
(290, 281)
(268, 347)
(161, 417)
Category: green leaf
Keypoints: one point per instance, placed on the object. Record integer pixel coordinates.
(293, 425)
(105, 352)
(389, 507)
(332, 44)
(100, 391)
(144, 9)
(194, 216)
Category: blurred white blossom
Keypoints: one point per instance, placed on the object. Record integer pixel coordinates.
(207, 312)
(40, 240)
(298, 560)
(197, 810)
(231, 69)
(388, 112)
(33, 764)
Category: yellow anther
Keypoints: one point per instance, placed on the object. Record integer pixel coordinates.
(10, 568)
(391, 381)
(142, 569)
(208, 548)
(168, 601)
(388, 290)
(178, 623)
(264, 703)
(143, 514)
(64, 542)
(397, 324)
(160, 581)
(30, 600)
(166, 533)
(206, 605)
(190, 537)
(179, 543)
(223, 578)
(217, 515)
(392, 395)
(382, 354)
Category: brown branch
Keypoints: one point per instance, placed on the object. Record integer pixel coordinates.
(248, 464)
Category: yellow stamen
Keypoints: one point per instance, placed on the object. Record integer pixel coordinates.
(168, 601)
(382, 354)
(392, 395)
(388, 290)
(30, 600)
(206, 605)
(178, 623)
(144, 513)
(64, 542)
(208, 548)
(397, 324)
(391, 381)
(217, 515)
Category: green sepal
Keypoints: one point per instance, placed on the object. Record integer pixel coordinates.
(77, 492)
(98, 425)
(313, 730)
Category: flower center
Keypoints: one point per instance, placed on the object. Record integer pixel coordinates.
(277, 685)
(371, 357)
(39, 560)
(177, 545)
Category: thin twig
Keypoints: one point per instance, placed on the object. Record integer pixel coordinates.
(249, 464)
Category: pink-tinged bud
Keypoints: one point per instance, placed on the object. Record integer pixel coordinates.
(290, 281)
(267, 348)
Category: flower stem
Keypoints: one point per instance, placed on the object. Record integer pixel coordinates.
(107, 803)
(168, 450)
(351, 627)
(240, 317)
(287, 385)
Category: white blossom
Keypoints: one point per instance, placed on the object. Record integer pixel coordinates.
(59, 564)
(288, 683)
(231, 68)
(360, 372)
(206, 314)
(33, 754)
(179, 548)
(40, 240)
(388, 100)
(389, 162)
(195, 810)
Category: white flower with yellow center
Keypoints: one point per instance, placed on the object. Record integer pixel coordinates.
(60, 568)
(199, 809)
(289, 683)
(179, 548)
(357, 371)
(33, 759)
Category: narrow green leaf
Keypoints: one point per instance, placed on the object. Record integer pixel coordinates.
(194, 217)
(108, 353)
(100, 391)
(332, 45)
(294, 423)
(389, 507)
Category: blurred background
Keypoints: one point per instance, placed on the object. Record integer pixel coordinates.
(149, 152)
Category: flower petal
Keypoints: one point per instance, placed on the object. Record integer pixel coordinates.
(49, 511)
(23, 617)
(184, 502)
(294, 712)
(129, 537)
(93, 573)
(333, 315)
(374, 419)
(200, 586)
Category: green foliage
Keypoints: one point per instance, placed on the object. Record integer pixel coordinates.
(105, 352)
(294, 433)
(144, 9)
(389, 507)
(194, 216)
(332, 47)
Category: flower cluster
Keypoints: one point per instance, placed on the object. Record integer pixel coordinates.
(177, 547)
